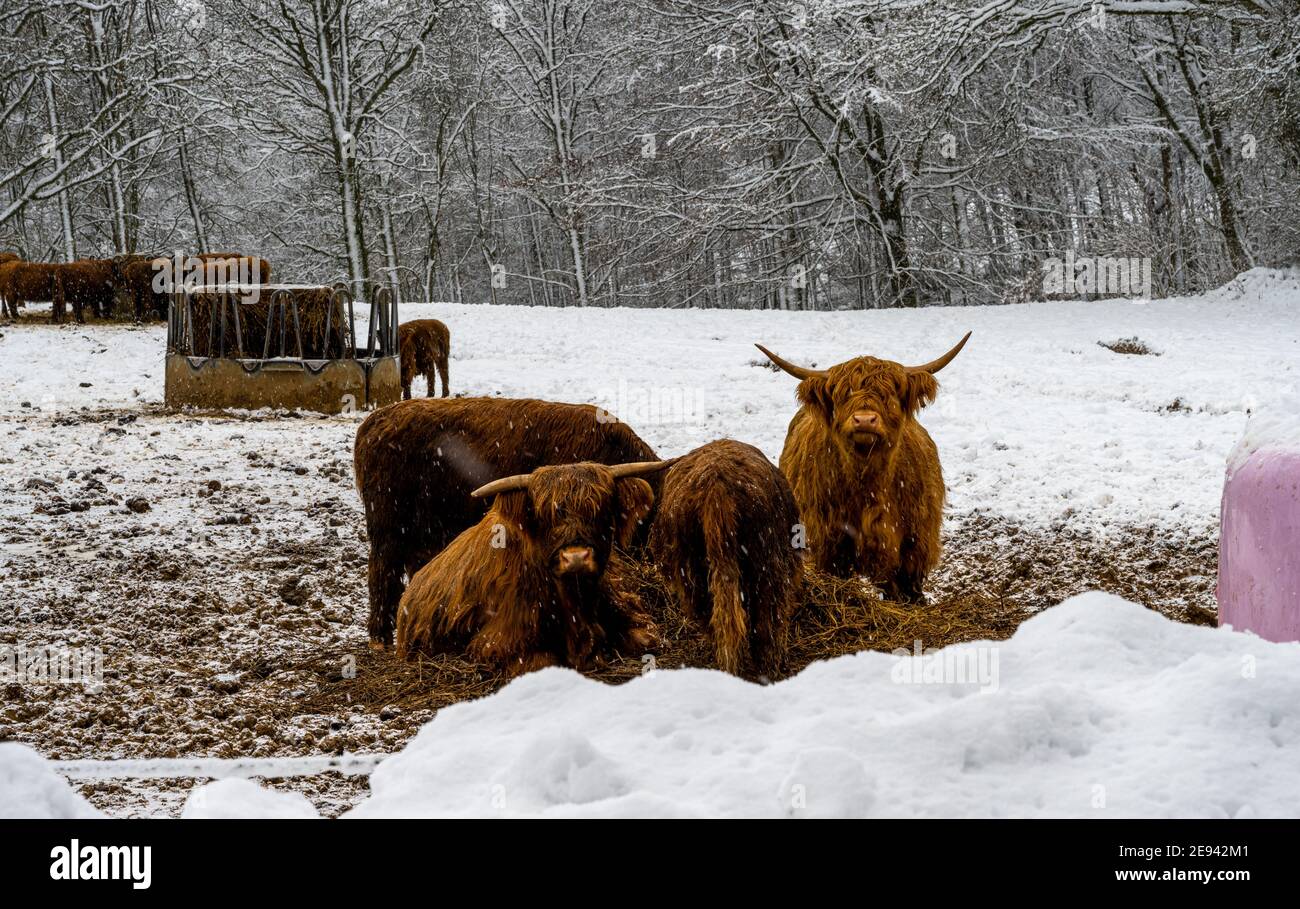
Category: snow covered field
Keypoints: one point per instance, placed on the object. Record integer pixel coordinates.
(217, 561)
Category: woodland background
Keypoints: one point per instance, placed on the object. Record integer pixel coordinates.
(809, 155)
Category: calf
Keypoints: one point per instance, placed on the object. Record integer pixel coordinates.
(865, 473)
(424, 346)
(418, 462)
(537, 581)
(725, 536)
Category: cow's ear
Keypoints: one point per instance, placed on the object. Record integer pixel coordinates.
(921, 390)
(635, 498)
(815, 393)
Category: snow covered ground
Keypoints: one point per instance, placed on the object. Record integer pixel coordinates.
(1035, 420)
(218, 560)
(1095, 708)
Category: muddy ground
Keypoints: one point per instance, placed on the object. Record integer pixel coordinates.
(219, 563)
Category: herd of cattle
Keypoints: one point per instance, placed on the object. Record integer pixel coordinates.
(514, 520)
(102, 285)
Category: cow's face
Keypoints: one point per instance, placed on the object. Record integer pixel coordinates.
(572, 515)
(866, 403)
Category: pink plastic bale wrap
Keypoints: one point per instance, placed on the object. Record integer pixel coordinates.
(1259, 542)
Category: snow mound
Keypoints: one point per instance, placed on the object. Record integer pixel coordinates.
(1097, 707)
(1274, 427)
(240, 798)
(29, 788)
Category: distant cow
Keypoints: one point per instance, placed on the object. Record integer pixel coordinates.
(418, 462)
(145, 279)
(424, 345)
(23, 282)
(865, 473)
(134, 275)
(85, 283)
(537, 581)
(725, 538)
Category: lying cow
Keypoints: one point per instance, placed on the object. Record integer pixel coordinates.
(865, 473)
(537, 581)
(424, 346)
(725, 537)
(418, 462)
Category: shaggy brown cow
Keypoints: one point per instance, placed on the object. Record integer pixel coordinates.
(424, 345)
(865, 473)
(139, 276)
(86, 282)
(537, 581)
(724, 536)
(9, 257)
(418, 462)
(21, 282)
(135, 277)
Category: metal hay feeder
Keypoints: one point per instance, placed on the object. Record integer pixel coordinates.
(241, 346)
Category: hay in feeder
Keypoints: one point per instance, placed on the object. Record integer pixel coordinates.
(316, 306)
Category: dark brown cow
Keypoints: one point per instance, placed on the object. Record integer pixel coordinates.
(418, 462)
(85, 283)
(425, 345)
(537, 581)
(144, 279)
(23, 282)
(865, 473)
(726, 536)
(135, 279)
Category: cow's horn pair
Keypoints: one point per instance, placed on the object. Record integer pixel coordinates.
(803, 372)
(520, 481)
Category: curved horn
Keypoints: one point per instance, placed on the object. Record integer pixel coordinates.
(505, 484)
(520, 481)
(637, 468)
(935, 365)
(799, 372)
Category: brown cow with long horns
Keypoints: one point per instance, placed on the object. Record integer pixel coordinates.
(865, 473)
(538, 581)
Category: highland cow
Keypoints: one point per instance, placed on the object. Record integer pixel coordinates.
(418, 462)
(864, 472)
(135, 279)
(538, 581)
(85, 283)
(725, 538)
(424, 345)
(23, 282)
(145, 280)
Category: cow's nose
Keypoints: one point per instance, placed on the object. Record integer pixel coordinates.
(577, 558)
(866, 419)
